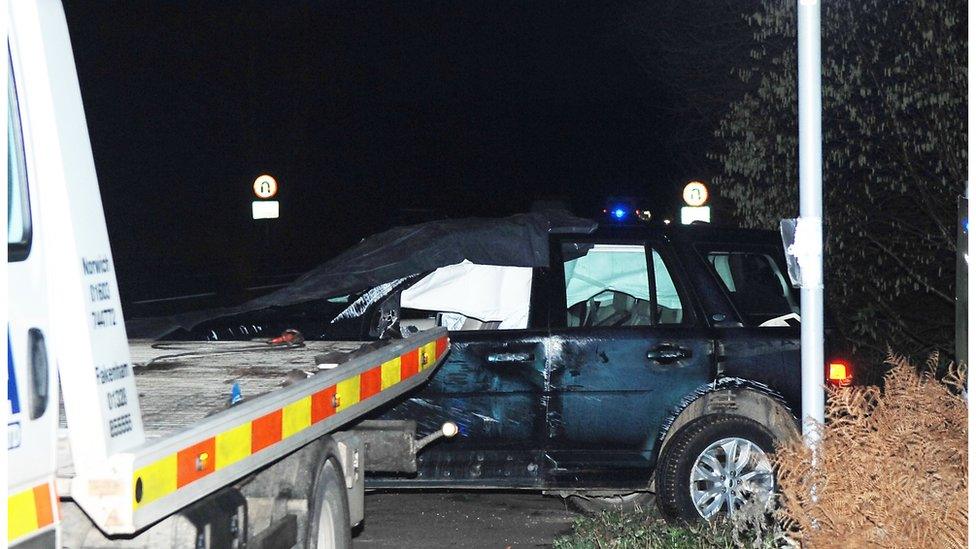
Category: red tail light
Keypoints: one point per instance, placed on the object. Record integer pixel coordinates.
(839, 373)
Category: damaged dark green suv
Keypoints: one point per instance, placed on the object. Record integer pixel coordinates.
(643, 361)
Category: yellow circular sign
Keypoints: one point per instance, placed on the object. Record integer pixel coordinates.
(695, 193)
(265, 186)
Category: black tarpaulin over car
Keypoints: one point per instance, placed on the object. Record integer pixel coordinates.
(520, 241)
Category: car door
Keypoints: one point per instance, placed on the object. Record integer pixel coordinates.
(626, 349)
(753, 279)
(492, 384)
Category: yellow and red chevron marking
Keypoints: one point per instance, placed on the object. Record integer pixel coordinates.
(167, 475)
(31, 510)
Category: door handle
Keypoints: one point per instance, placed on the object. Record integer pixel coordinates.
(38, 374)
(511, 357)
(666, 354)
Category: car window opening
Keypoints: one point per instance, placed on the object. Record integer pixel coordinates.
(609, 285)
(757, 287)
(467, 296)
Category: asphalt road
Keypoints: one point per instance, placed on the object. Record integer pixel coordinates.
(432, 519)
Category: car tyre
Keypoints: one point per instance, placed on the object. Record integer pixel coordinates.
(328, 518)
(674, 468)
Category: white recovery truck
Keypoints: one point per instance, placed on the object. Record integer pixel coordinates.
(151, 448)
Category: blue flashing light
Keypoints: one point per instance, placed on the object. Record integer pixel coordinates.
(619, 213)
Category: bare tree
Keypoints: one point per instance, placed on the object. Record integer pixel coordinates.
(894, 99)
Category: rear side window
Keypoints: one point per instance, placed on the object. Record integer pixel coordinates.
(18, 205)
(611, 285)
(757, 287)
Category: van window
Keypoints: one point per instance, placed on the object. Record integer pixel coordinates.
(18, 208)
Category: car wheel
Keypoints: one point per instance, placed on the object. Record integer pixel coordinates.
(328, 518)
(593, 505)
(714, 465)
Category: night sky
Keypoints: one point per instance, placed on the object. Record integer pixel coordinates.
(375, 114)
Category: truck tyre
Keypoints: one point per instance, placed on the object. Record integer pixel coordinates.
(593, 505)
(712, 465)
(328, 516)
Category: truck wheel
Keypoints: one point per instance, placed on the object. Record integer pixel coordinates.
(712, 466)
(328, 516)
(591, 505)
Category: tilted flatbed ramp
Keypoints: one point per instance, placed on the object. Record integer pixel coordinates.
(183, 382)
(197, 444)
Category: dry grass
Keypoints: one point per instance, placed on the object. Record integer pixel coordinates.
(892, 469)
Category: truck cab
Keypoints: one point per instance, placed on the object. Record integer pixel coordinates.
(32, 384)
(119, 443)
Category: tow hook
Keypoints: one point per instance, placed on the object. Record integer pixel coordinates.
(392, 445)
(448, 430)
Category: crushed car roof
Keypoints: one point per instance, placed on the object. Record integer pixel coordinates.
(520, 240)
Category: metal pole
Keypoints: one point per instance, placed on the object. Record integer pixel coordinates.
(971, 286)
(962, 276)
(810, 223)
(971, 290)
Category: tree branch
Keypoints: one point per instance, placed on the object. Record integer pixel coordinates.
(909, 271)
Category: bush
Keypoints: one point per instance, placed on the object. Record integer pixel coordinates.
(892, 466)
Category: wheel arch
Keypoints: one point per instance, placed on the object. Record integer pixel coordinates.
(733, 396)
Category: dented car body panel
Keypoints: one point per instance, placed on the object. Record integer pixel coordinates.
(608, 397)
(494, 385)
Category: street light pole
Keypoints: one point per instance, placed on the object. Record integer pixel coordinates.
(810, 223)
